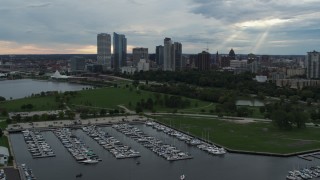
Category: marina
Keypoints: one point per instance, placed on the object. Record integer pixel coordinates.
(2, 175)
(37, 146)
(166, 151)
(26, 173)
(306, 173)
(211, 149)
(150, 164)
(110, 143)
(76, 147)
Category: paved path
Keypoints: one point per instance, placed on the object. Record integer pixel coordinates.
(126, 109)
(63, 123)
(229, 118)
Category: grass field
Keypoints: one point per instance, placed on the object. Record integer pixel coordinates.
(39, 104)
(110, 97)
(256, 137)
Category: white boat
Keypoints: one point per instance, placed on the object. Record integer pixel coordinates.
(89, 161)
(182, 177)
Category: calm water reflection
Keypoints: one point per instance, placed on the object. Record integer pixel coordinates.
(203, 166)
(246, 102)
(25, 87)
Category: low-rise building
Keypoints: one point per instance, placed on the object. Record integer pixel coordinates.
(4, 155)
(291, 72)
(297, 83)
(143, 65)
(128, 70)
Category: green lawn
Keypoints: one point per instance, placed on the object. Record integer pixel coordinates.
(39, 104)
(3, 139)
(257, 137)
(110, 97)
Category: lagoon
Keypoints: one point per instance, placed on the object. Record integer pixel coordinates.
(21, 88)
(248, 102)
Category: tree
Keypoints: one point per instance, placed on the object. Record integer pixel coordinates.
(2, 98)
(281, 120)
(242, 111)
(135, 83)
(262, 109)
(35, 117)
(103, 112)
(61, 114)
(294, 99)
(4, 112)
(70, 114)
(309, 101)
(300, 119)
(1, 132)
(8, 121)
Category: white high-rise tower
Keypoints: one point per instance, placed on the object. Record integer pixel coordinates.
(168, 55)
(313, 65)
(104, 50)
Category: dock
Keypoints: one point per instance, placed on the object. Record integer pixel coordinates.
(310, 156)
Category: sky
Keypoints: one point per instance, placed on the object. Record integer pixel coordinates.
(248, 26)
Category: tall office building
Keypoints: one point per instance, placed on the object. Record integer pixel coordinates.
(139, 53)
(178, 56)
(119, 51)
(203, 61)
(168, 64)
(159, 55)
(104, 50)
(232, 55)
(313, 65)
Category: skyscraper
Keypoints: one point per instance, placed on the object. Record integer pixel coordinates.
(203, 61)
(119, 51)
(168, 52)
(139, 53)
(232, 55)
(159, 55)
(104, 50)
(313, 65)
(178, 56)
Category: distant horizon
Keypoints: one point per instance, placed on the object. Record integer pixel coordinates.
(154, 53)
(255, 26)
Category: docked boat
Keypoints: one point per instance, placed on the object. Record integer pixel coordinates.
(90, 161)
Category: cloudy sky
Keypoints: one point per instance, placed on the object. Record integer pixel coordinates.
(247, 26)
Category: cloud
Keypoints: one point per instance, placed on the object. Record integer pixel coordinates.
(71, 26)
(40, 5)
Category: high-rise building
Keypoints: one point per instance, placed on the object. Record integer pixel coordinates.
(313, 65)
(251, 58)
(139, 53)
(119, 51)
(217, 59)
(203, 61)
(77, 64)
(159, 55)
(224, 61)
(232, 55)
(104, 50)
(178, 57)
(168, 55)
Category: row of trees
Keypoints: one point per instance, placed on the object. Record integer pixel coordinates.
(168, 101)
(243, 83)
(93, 113)
(43, 117)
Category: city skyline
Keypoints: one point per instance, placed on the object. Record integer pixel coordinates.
(257, 26)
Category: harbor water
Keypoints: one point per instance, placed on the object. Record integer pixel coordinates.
(203, 166)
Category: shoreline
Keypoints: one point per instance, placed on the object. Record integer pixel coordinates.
(135, 119)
